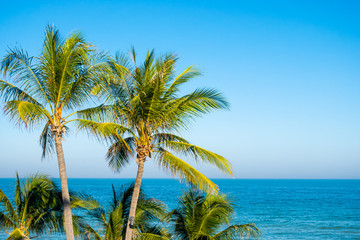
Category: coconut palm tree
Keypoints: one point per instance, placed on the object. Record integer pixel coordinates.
(46, 89)
(200, 216)
(144, 111)
(111, 222)
(37, 208)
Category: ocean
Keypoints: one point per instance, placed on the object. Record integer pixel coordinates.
(281, 209)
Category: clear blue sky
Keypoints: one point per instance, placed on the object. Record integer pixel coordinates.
(290, 69)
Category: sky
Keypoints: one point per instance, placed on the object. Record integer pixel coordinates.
(290, 70)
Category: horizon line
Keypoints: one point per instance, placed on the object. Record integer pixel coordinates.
(168, 178)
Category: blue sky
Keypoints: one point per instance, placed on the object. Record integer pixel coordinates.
(291, 71)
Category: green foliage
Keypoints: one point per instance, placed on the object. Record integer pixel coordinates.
(204, 216)
(201, 215)
(37, 208)
(44, 90)
(143, 111)
(111, 222)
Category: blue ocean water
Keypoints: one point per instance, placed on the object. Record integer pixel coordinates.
(281, 209)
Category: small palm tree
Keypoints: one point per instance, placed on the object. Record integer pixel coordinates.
(111, 223)
(200, 216)
(46, 89)
(143, 112)
(37, 208)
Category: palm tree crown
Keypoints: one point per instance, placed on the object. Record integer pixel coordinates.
(37, 208)
(143, 111)
(43, 89)
(200, 216)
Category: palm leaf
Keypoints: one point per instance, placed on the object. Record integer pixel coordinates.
(17, 234)
(89, 231)
(26, 113)
(18, 66)
(161, 138)
(236, 231)
(179, 111)
(199, 154)
(9, 215)
(6, 222)
(189, 73)
(183, 170)
(79, 91)
(213, 208)
(119, 153)
(47, 141)
(74, 53)
(100, 113)
(108, 131)
(19, 196)
(84, 201)
(11, 92)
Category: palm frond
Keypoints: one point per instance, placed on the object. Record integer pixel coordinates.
(74, 54)
(90, 232)
(187, 75)
(177, 167)
(199, 154)
(84, 201)
(18, 66)
(132, 55)
(9, 91)
(8, 212)
(78, 224)
(120, 153)
(19, 195)
(49, 61)
(182, 224)
(17, 234)
(47, 141)
(6, 222)
(213, 208)
(180, 110)
(150, 210)
(108, 131)
(98, 215)
(239, 231)
(162, 138)
(87, 78)
(25, 113)
(121, 68)
(100, 113)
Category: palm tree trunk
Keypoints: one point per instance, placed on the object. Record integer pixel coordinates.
(135, 197)
(68, 224)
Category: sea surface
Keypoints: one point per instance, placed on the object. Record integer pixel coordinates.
(281, 209)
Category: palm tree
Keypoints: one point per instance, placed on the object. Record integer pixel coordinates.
(143, 111)
(111, 223)
(37, 208)
(43, 89)
(200, 216)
